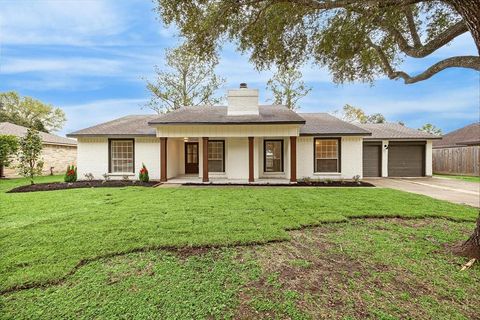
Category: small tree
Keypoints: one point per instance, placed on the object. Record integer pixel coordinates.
(430, 128)
(187, 81)
(288, 87)
(8, 147)
(143, 176)
(30, 163)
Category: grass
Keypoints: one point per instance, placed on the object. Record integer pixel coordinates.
(46, 235)
(464, 178)
(362, 269)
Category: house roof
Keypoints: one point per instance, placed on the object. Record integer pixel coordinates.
(393, 131)
(268, 114)
(326, 124)
(8, 128)
(133, 125)
(311, 124)
(466, 136)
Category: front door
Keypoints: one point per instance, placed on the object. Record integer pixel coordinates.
(191, 157)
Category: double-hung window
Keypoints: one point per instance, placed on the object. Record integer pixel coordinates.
(216, 156)
(327, 155)
(121, 156)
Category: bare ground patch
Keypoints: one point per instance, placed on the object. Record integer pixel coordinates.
(329, 283)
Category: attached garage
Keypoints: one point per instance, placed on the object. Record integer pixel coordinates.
(372, 159)
(406, 159)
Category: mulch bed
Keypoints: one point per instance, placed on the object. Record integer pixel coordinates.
(298, 184)
(82, 184)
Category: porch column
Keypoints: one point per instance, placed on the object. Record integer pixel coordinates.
(293, 159)
(205, 159)
(250, 160)
(163, 159)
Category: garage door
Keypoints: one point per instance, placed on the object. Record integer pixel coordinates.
(372, 159)
(406, 159)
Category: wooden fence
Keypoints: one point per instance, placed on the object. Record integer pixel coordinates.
(458, 160)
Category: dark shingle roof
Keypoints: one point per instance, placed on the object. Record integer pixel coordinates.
(134, 125)
(469, 135)
(268, 114)
(395, 131)
(8, 128)
(326, 124)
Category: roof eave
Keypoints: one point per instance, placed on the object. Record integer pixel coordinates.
(335, 134)
(166, 123)
(80, 135)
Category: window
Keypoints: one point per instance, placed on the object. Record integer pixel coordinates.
(327, 155)
(273, 155)
(121, 156)
(216, 156)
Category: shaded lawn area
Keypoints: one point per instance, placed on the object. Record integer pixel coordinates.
(372, 268)
(464, 178)
(45, 235)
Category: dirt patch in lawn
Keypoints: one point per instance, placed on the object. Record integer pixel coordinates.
(326, 282)
(82, 184)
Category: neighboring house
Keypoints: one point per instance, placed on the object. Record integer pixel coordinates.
(57, 152)
(458, 152)
(247, 142)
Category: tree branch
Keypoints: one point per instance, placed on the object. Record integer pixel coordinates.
(412, 27)
(470, 62)
(431, 46)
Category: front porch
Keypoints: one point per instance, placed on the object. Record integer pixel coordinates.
(228, 160)
(192, 179)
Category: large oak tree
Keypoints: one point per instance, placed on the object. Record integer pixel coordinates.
(358, 40)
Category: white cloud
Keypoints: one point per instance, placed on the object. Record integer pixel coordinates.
(77, 66)
(59, 21)
(84, 115)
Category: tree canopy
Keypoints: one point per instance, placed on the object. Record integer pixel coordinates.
(350, 113)
(287, 87)
(188, 80)
(30, 112)
(430, 128)
(357, 40)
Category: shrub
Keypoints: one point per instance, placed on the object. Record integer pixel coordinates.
(89, 176)
(71, 174)
(143, 176)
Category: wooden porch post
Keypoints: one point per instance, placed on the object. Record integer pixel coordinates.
(163, 159)
(251, 177)
(205, 159)
(293, 159)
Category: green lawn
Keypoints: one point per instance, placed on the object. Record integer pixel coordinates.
(464, 178)
(74, 237)
(376, 269)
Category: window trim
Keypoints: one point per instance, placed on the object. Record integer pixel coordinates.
(224, 160)
(265, 156)
(110, 154)
(339, 152)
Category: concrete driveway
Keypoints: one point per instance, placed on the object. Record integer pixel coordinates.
(457, 191)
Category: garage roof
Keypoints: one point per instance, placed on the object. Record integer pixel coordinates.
(395, 131)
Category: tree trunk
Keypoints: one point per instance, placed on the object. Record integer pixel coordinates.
(471, 247)
(470, 12)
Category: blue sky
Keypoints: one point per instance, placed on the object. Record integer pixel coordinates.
(91, 58)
